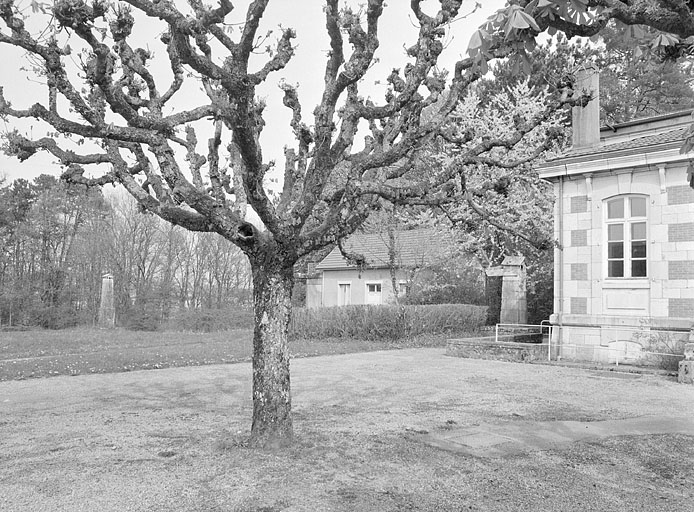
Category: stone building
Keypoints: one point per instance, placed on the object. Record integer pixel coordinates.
(624, 220)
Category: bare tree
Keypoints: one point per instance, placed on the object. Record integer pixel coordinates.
(330, 183)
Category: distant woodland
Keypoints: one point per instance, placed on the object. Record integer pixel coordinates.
(58, 240)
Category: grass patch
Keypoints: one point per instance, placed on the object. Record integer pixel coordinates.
(80, 351)
(33, 354)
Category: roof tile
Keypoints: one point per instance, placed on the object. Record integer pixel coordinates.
(640, 143)
(413, 248)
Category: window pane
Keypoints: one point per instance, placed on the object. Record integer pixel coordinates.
(638, 231)
(638, 268)
(615, 232)
(615, 250)
(638, 206)
(638, 249)
(615, 209)
(615, 268)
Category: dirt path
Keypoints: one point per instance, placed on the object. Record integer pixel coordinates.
(502, 440)
(168, 439)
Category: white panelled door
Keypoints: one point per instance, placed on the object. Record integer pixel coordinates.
(344, 294)
(373, 293)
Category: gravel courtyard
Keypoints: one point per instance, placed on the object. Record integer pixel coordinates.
(173, 439)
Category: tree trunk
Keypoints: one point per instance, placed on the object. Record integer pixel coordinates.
(272, 292)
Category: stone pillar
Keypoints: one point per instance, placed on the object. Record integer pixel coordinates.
(514, 307)
(686, 369)
(107, 310)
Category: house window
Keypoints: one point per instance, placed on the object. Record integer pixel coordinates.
(373, 293)
(626, 236)
(344, 294)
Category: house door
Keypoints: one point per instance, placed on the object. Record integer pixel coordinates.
(344, 294)
(373, 293)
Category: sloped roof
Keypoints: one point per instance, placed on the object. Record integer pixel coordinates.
(513, 260)
(413, 248)
(641, 144)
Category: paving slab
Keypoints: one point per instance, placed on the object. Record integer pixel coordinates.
(511, 438)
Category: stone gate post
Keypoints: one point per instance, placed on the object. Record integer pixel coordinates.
(107, 310)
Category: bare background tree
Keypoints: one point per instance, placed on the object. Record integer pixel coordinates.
(57, 240)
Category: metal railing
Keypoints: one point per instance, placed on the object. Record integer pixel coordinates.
(541, 332)
(621, 354)
(642, 336)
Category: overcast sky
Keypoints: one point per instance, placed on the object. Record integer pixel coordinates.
(397, 31)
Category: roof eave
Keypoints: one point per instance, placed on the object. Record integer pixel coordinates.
(346, 267)
(646, 120)
(613, 161)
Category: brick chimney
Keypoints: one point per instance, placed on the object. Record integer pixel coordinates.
(585, 121)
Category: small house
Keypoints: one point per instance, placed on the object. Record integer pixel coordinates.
(338, 282)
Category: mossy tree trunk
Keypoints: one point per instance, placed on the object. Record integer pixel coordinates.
(272, 294)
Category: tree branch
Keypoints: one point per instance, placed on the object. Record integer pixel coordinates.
(490, 219)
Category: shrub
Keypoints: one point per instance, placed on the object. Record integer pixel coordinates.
(54, 317)
(385, 321)
(447, 284)
(664, 349)
(140, 320)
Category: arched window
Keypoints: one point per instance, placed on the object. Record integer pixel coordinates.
(627, 233)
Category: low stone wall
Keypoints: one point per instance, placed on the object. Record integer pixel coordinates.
(523, 337)
(488, 348)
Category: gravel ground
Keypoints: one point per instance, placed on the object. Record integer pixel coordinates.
(168, 440)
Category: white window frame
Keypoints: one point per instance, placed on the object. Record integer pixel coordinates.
(627, 221)
(349, 287)
(366, 291)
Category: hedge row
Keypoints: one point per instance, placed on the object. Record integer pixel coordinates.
(211, 320)
(385, 321)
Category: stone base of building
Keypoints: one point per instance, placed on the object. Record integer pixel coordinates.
(619, 340)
